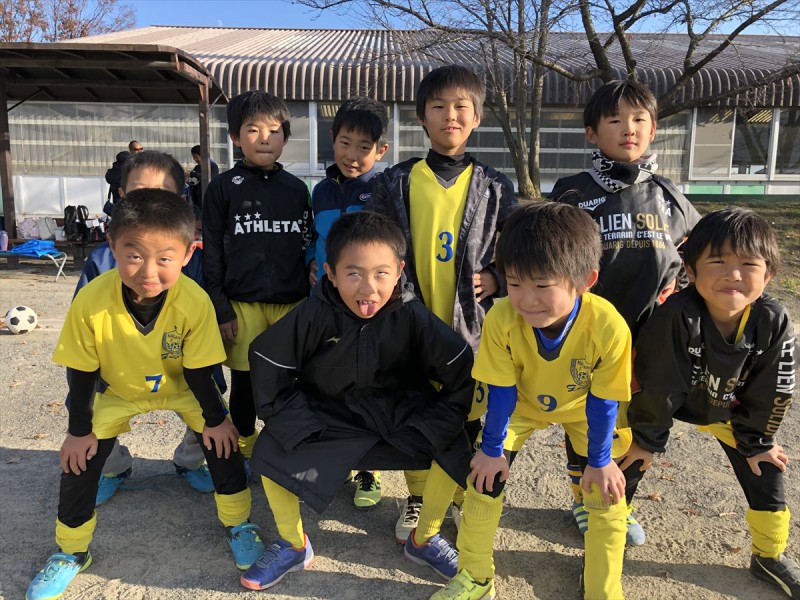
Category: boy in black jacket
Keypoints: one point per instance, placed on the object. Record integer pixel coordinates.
(643, 221)
(344, 381)
(721, 354)
(256, 242)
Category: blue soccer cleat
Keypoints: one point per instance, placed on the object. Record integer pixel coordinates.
(278, 560)
(59, 570)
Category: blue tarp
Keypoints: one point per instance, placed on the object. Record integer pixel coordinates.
(36, 248)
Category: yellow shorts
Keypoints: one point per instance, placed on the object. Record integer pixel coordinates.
(252, 319)
(722, 431)
(520, 429)
(112, 414)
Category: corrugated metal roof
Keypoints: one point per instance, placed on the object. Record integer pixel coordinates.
(328, 64)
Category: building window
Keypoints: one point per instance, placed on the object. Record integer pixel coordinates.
(751, 142)
(712, 143)
(67, 139)
(787, 157)
(672, 144)
(295, 154)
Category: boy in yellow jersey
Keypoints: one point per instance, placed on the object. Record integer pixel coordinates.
(721, 354)
(361, 375)
(550, 353)
(145, 335)
(451, 209)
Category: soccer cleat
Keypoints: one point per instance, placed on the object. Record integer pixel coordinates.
(59, 570)
(199, 479)
(368, 490)
(635, 535)
(464, 587)
(437, 553)
(245, 544)
(782, 572)
(408, 519)
(109, 485)
(454, 512)
(581, 517)
(278, 560)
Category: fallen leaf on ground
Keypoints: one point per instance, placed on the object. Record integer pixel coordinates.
(665, 574)
(727, 514)
(56, 403)
(690, 512)
(655, 497)
(161, 422)
(666, 463)
(41, 436)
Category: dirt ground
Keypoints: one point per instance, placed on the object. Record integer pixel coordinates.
(159, 539)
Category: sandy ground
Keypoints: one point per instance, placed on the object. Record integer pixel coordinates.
(160, 539)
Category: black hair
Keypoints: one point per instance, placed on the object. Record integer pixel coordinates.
(157, 161)
(153, 210)
(196, 150)
(605, 101)
(451, 77)
(748, 233)
(363, 227)
(131, 144)
(364, 115)
(256, 103)
(549, 239)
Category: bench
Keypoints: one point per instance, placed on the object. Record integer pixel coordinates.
(79, 251)
(59, 260)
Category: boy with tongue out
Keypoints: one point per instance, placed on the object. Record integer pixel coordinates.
(360, 376)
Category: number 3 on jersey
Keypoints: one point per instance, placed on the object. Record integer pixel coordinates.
(154, 380)
(446, 252)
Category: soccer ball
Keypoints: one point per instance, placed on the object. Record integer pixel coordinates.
(21, 319)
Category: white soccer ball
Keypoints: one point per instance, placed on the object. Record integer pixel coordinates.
(21, 319)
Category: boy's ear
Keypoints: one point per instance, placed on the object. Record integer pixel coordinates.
(591, 135)
(188, 256)
(400, 268)
(234, 138)
(381, 151)
(591, 279)
(653, 131)
(329, 272)
(330, 135)
(121, 192)
(690, 273)
(111, 245)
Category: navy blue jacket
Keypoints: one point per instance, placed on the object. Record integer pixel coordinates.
(330, 199)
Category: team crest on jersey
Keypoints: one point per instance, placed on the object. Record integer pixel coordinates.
(238, 179)
(581, 372)
(365, 196)
(172, 344)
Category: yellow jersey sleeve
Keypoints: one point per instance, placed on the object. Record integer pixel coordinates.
(611, 377)
(494, 363)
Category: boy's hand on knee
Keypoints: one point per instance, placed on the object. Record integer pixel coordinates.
(225, 436)
(485, 284)
(609, 480)
(774, 455)
(76, 452)
(229, 331)
(484, 470)
(634, 453)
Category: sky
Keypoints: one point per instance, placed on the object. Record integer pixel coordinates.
(238, 13)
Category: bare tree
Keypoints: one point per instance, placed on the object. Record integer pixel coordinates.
(55, 20)
(515, 51)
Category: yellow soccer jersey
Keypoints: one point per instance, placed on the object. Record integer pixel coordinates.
(552, 386)
(436, 213)
(99, 333)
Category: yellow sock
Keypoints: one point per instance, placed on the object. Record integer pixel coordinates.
(574, 472)
(769, 531)
(415, 480)
(458, 496)
(75, 539)
(605, 547)
(246, 444)
(435, 500)
(286, 510)
(233, 509)
(479, 521)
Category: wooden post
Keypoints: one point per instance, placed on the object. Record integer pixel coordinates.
(6, 181)
(204, 118)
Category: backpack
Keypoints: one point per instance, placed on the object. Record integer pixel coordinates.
(75, 229)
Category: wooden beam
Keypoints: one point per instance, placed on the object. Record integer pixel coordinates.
(6, 180)
(204, 117)
(96, 83)
(126, 64)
